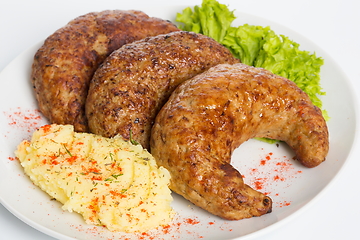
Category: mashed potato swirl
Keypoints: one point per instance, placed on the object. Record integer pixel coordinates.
(109, 181)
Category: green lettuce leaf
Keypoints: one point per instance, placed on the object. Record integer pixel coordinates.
(211, 19)
(257, 46)
(261, 47)
(245, 42)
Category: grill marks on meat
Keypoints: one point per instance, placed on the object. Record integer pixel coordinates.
(134, 82)
(65, 64)
(210, 115)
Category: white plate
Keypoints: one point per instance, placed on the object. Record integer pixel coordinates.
(269, 168)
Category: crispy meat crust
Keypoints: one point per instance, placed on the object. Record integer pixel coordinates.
(134, 82)
(66, 62)
(210, 115)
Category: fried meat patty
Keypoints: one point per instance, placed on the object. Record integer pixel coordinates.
(67, 60)
(134, 82)
(210, 115)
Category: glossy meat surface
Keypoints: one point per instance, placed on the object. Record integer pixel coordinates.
(134, 82)
(210, 115)
(67, 60)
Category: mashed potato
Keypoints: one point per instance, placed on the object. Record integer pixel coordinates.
(109, 181)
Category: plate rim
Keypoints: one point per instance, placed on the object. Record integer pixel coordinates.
(278, 223)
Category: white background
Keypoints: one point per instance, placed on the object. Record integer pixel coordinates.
(331, 24)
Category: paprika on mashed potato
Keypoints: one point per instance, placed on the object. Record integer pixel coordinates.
(109, 181)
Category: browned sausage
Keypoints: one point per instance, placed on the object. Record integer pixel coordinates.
(210, 115)
(133, 83)
(66, 62)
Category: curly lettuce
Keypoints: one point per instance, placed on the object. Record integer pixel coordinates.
(257, 46)
(211, 19)
(261, 47)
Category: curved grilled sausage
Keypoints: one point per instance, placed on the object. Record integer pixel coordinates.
(66, 62)
(133, 83)
(210, 115)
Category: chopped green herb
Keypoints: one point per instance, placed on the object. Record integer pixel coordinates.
(116, 175)
(67, 150)
(111, 156)
(134, 142)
